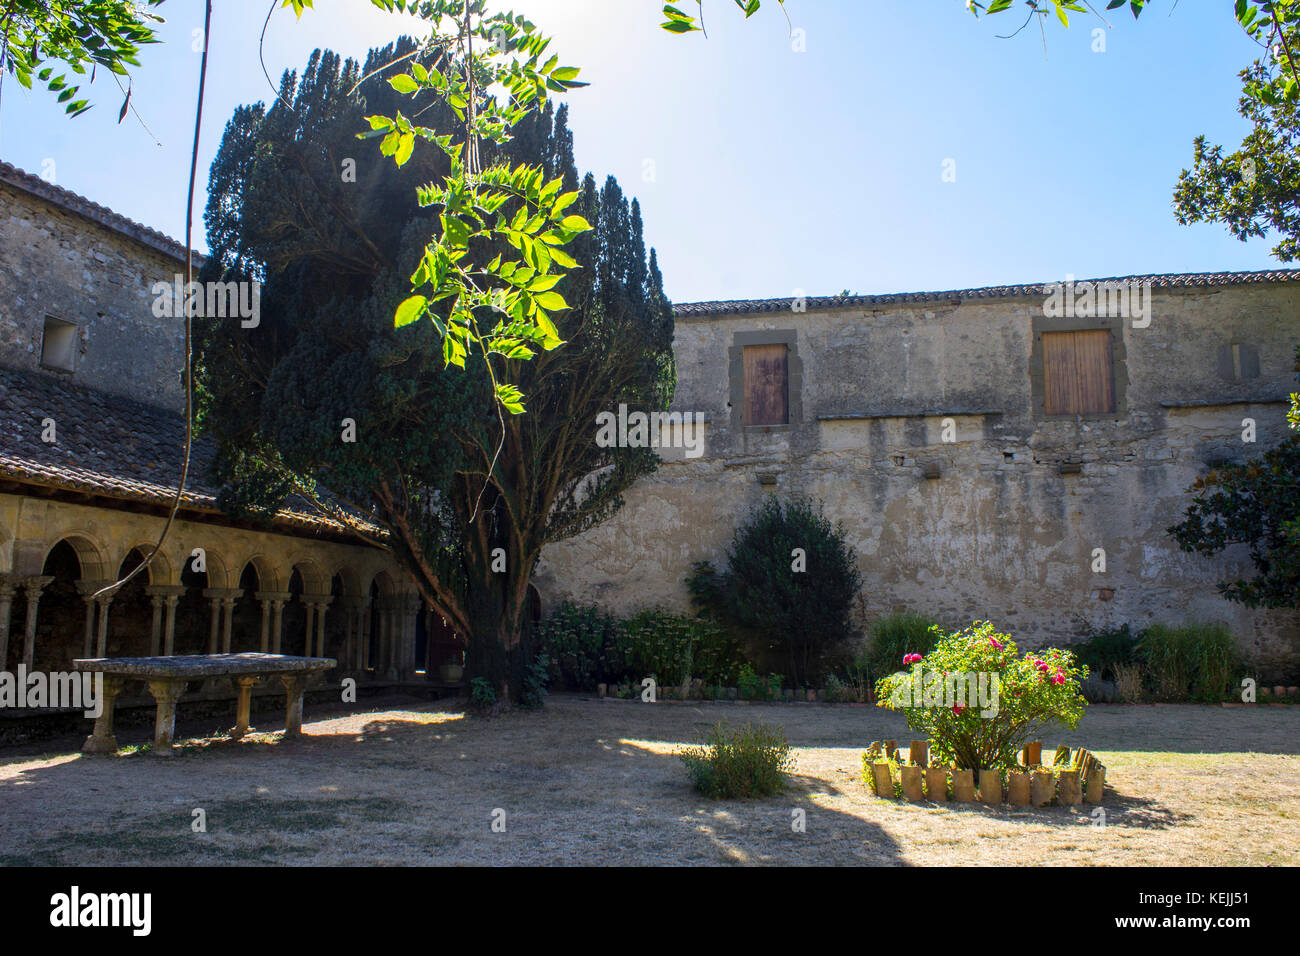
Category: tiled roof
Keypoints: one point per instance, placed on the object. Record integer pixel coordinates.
(80, 205)
(1191, 280)
(109, 446)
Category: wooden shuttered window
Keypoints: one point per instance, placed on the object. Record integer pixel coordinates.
(767, 378)
(1078, 374)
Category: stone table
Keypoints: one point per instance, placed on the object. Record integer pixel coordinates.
(167, 677)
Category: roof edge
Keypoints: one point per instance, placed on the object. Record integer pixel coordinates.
(1190, 280)
(79, 205)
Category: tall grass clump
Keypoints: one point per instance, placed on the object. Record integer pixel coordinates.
(750, 761)
(1191, 662)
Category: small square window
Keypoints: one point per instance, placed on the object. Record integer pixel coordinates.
(59, 345)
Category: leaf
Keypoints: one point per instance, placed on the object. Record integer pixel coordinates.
(121, 114)
(575, 224)
(552, 301)
(405, 146)
(403, 83)
(564, 259)
(409, 311)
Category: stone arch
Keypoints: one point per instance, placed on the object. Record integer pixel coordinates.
(268, 574)
(218, 569)
(92, 556)
(314, 578)
(159, 570)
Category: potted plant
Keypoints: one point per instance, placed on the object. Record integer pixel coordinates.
(452, 670)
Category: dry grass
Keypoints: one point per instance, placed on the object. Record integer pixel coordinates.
(598, 782)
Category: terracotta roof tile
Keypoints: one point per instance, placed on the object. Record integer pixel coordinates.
(1182, 281)
(108, 445)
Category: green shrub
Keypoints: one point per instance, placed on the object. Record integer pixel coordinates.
(674, 649)
(792, 611)
(481, 694)
(893, 637)
(1103, 648)
(749, 762)
(582, 645)
(1192, 662)
(1032, 693)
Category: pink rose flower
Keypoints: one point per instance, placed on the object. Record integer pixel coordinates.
(995, 643)
(911, 659)
(958, 708)
(1058, 678)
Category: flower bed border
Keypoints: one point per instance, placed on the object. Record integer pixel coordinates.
(1072, 778)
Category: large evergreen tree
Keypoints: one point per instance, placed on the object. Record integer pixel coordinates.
(453, 485)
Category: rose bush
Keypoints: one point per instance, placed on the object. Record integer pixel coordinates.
(983, 726)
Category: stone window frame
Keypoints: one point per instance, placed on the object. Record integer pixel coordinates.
(793, 375)
(1118, 363)
(75, 327)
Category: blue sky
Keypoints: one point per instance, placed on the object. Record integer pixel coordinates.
(763, 171)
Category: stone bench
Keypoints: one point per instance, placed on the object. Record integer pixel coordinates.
(167, 678)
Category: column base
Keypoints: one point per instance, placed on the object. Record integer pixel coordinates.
(100, 745)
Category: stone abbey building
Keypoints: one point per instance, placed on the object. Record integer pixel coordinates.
(993, 453)
(91, 433)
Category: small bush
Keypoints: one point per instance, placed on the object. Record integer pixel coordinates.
(1192, 662)
(581, 643)
(751, 761)
(1033, 692)
(674, 649)
(893, 637)
(481, 694)
(1103, 648)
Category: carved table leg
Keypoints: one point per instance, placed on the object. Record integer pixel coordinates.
(166, 692)
(101, 739)
(244, 706)
(294, 684)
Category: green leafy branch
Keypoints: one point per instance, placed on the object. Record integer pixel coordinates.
(92, 33)
(516, 294)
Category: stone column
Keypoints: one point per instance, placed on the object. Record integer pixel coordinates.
(7, 588)
(164, 598)
(277, 625)
(32, 587)
(228, 612)
(316, 604)
(411, 609)
(169, 625)
(272, 611)
(101, 634)
(264, 643)
(155, 635)
(346, 653)
(363, 632)
(214, 627)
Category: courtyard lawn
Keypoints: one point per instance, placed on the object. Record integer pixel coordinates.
(598, 782)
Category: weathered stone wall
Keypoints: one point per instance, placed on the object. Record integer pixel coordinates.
(1002, 533)
(56, 263)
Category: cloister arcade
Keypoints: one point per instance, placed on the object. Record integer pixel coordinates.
(212, 589)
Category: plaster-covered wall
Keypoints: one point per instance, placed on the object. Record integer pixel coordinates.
(1002, 533)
